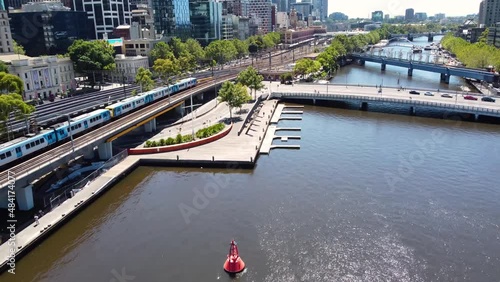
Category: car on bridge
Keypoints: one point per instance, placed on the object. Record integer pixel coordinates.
(446, 96)
(414, 92)
(469, 97)
(488, 99)
(428, 93)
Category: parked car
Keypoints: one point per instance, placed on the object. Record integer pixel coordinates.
(469, 97)
(446, 96)
(428, 93)
(488, 99)
(414, 92)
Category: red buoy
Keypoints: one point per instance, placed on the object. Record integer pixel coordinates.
(234, 264)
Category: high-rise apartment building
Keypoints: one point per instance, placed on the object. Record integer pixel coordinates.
(409, 14)
(260, 10)
(106, 14)
(5, 36)
(490, 13)
(377, 16)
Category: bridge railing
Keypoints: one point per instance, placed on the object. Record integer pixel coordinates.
(363, 98)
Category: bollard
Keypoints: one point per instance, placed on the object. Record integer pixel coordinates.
(259, 138)
(177, 157)
(256, 147)
(213, 159)
(251, 159)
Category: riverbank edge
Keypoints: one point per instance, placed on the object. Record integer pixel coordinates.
(129, 164)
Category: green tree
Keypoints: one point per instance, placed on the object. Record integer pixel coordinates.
(194, 48)
(3, 67)
(13, 103)
(306, 66)
(177, 46)
(18, 49)
(251, 79)
(143, 78)
(166, 68)
(235, 95)
(483, 38)
(90, 57)
(161, 51)
(221, 51)
(10, 83)
(241, 47)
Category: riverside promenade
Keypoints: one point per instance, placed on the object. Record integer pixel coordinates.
(232, 151)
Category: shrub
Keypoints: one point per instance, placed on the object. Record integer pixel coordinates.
(178, 139)
(187, 138)
(170, 141)
(153, 144)
(148, 144)
(162, 142)
(209, 131)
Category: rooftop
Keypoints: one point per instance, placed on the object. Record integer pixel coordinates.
(8, 58)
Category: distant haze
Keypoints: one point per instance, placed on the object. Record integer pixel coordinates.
(364, 8)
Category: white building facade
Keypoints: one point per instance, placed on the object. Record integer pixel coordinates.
(126, 67)
(42, 76)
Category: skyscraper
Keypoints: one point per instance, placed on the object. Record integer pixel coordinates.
(261, 11)
(409, 14)
(377, 16)
(490, 13)
(106, 14)
(5, 36)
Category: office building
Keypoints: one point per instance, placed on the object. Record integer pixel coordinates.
(409, 14)
(377, 16)
(52, 27)
(106, 14)
(41, 76)
(206, 20)
(127, 67)
(439, 16)
(420, 16)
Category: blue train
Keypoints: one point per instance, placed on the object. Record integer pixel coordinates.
(21, 147)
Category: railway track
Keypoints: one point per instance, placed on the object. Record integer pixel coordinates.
(112, 128)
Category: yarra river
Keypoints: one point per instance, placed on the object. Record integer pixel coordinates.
(369, 196)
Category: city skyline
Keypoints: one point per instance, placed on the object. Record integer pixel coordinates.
(364, 8)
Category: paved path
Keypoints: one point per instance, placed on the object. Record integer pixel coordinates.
(386, 93)
(232, 147)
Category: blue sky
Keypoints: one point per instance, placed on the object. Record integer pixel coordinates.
(363, 8)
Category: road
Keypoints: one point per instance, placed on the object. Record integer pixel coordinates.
(457, 99)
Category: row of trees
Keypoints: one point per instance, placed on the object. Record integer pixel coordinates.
(169, 59)
(236, 94)
(474, 55)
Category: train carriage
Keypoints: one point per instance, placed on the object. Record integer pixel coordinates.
(21, 147)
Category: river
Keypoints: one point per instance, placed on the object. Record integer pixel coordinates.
(368, 197)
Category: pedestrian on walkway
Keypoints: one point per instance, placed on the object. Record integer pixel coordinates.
(36, 220)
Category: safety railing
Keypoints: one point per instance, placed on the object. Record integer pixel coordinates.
(318, 96)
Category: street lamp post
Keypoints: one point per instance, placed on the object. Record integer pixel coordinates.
(71, 134)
